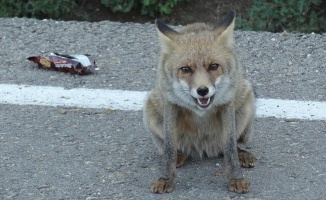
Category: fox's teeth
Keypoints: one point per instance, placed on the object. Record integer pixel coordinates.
(203, 101)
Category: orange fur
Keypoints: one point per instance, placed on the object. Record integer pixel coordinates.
(201, 103)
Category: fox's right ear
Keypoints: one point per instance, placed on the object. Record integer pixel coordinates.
(225, 28)
(166, 34)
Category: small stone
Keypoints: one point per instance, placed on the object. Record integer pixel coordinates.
(91, 198)
(284, 33)
(41, 187)
(218, 174)
(62, 111)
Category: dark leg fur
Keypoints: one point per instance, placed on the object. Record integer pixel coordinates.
(166, 182)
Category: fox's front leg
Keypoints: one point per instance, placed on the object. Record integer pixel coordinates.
(236, 181)
(166, 181)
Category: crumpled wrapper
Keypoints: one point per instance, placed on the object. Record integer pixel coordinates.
(75, 64)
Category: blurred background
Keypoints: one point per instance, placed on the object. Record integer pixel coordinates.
(256, 15)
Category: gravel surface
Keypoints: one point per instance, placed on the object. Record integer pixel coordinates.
(127, 55)
(73, 153)
(103, 154)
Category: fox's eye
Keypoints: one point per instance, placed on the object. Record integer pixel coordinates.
(186, 69)
(213, 67)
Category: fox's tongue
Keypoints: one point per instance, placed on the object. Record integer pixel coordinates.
(203, 101)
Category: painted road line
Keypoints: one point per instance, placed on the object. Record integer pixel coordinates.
(133, 100)
(77, 97)
(291, 109)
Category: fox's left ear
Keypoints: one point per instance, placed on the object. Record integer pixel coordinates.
(166, 35)
(225, 28)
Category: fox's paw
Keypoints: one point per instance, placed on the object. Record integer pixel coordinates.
(162, 185)
(246, 159)
(240, 185)
(181, 159)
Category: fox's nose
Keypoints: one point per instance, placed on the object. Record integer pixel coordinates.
(202, 91)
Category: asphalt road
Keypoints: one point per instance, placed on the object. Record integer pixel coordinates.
(78, 153)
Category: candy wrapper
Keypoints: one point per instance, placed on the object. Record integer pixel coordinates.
(76, 64)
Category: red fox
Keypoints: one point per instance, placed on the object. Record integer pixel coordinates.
(201, 103)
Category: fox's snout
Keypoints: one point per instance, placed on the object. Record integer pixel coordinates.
(202, 91)
(203, 95)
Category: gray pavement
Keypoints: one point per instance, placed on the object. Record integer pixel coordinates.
(103, 154)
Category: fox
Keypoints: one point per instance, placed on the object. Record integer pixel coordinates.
(201, 103)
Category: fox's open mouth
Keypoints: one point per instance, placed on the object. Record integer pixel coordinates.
(203, 102)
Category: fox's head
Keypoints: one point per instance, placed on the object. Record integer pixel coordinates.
(198, 63)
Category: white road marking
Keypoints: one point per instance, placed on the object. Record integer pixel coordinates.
(77, 97)
(291, 109)
(133, 100)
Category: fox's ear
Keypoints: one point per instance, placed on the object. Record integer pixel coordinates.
(225, 28)
(166, 34)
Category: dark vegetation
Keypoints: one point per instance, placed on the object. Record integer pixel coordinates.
(257, 15)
